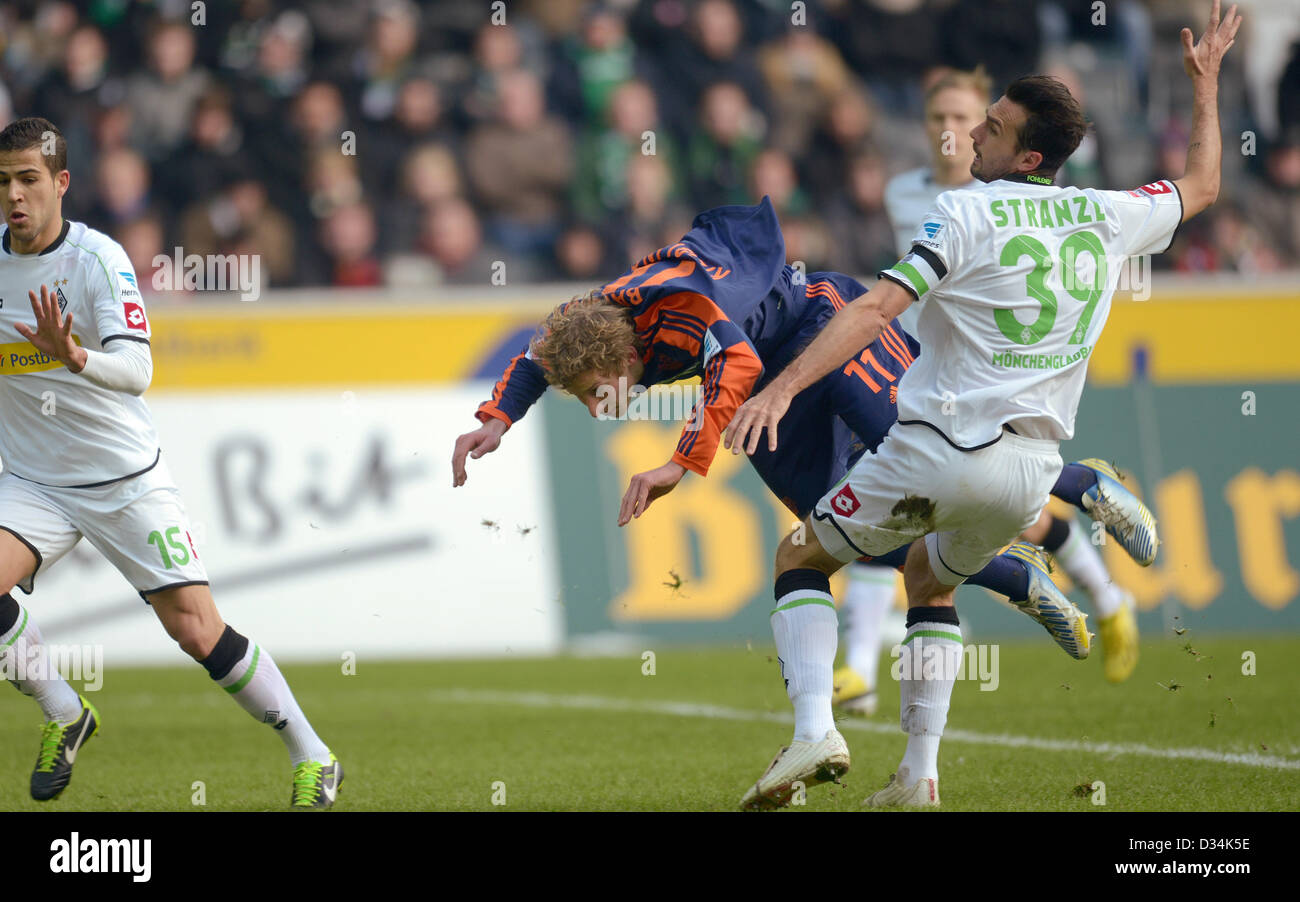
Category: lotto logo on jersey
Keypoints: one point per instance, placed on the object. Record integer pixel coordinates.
(845, 502)
(135, 317)
(1155, 189)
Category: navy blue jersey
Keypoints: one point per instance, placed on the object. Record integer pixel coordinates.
(723, 305)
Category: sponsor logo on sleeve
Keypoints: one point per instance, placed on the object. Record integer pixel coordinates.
(1155, 189)
(135, 316)
(126, 285)
(932, 229)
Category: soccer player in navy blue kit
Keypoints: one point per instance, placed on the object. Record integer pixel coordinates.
(723, 305)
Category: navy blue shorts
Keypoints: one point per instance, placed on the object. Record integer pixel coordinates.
(831, 424)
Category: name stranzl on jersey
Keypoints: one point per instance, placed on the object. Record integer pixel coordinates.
(1048, 213)
(1013, 361)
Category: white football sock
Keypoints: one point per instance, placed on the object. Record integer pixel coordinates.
(1084, 565)
(930, 662)
(25, 663)
(258, 687)
(804, 624)
(867, 600)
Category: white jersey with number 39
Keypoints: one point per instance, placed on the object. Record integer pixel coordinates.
(1014, 283)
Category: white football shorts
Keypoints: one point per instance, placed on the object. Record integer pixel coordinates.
(968, 504)
(138, 524)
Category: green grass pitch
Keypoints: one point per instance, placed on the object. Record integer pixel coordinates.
(1186, 733)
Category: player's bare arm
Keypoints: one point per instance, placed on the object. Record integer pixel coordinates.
(53, 333)
(483, 440)
(646, 487)
(1199, 187)
(858, 324)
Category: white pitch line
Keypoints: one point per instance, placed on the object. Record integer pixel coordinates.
(717, 712)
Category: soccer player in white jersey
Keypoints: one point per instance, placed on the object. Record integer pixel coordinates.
(91, 466)
(1014, 280)
(954, 104)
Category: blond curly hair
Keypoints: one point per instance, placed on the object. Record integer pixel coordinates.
(588, 333)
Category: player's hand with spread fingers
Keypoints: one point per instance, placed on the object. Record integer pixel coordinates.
(53, 333)
(763, 411)
(483, 440)
(646, 487)
(1201, 61)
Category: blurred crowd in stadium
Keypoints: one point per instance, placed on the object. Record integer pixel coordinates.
(372, 142)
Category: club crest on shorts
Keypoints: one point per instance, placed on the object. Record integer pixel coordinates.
(845, 503)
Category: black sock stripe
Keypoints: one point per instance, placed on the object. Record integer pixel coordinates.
(1057, 533)
(229, 651)
(941, 614)
(9, 611)
(806, 578)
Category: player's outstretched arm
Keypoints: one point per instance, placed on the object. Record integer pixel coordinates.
(849, 331)
(483, 440)
(1199, 187)
(646, 487)
(518, 389)
(731, 368)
